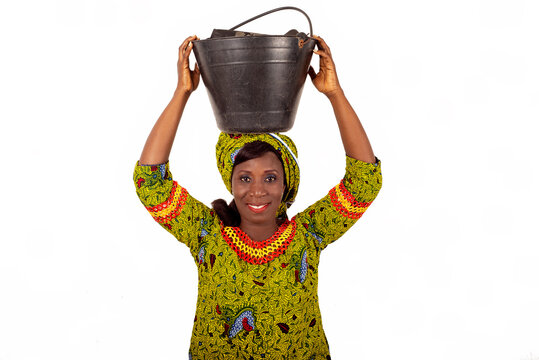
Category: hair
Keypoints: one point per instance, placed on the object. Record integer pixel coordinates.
(228, 213)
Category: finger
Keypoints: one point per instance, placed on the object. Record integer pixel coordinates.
(186, 42)
(195, 77)
(324, 44)
(326, 48)
(312, 73)
(318, 38)
(316, 41)
(186, 54)
(192, 38)
(189, 48)
(321, 53)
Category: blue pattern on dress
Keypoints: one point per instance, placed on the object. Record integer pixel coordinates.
(163, 170)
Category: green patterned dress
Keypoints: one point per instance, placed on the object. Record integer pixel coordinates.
(258, 300)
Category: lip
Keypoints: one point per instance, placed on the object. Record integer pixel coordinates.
(257, 209)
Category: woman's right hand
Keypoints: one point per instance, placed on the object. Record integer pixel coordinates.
(187, 79)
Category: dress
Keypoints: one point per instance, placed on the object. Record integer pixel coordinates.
(258, 300)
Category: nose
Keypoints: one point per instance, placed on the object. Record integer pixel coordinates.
(258, 188)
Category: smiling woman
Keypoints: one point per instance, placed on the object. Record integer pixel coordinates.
(258, 269)
(258, 188)
(229, 212)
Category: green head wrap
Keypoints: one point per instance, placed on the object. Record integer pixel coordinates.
(229, 145)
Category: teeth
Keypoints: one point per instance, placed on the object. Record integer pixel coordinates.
(257, 207)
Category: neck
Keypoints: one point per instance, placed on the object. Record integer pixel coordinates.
(259, 232)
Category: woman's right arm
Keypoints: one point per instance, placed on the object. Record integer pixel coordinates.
(169, 203)
(159, 142)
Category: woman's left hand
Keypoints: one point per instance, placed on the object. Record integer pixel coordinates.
(326, 80)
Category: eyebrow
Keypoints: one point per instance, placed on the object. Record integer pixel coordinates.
(265, 171)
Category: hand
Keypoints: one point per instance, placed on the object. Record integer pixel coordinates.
(187, 79)
(326, 80)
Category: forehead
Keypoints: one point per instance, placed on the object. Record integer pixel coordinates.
(268, 161)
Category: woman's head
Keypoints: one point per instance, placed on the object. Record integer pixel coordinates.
(258, 187)
(235, 149)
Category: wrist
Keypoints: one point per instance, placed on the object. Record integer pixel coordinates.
(335, 94)
(181, 93)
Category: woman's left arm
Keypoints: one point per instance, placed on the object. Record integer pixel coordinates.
(353, 136)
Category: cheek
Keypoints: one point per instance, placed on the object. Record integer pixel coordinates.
(234, 188)
(235, 191)
(280, 192)
(239, 190)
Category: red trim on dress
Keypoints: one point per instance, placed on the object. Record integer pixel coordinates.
(354, 209)
(177, 202)
(267, 250)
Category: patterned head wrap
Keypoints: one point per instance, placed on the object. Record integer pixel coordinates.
(229, 145)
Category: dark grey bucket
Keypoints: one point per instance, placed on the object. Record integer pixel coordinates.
(254, 81)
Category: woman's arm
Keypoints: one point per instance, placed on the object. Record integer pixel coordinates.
(159, 142)
(355, 140)
(170, 204)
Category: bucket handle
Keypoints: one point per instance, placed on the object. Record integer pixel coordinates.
(274, 10)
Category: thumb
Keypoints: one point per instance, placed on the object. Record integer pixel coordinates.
(312, 73)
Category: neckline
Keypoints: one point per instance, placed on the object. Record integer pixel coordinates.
(259, 252)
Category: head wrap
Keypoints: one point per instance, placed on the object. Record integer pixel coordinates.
(229, 145)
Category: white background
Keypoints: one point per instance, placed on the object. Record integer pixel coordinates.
(445, 263)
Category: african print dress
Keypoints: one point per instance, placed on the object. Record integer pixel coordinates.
(258, 300)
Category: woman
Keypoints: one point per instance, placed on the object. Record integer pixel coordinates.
(258, 269)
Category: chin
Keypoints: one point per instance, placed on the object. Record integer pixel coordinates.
(259, 219)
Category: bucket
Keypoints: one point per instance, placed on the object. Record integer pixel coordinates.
(254, 81)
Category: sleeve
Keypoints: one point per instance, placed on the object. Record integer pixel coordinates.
(330, 217)
(171, 205)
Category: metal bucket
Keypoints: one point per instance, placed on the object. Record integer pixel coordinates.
(254, 81)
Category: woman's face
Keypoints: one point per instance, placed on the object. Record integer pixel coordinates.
(258, 187)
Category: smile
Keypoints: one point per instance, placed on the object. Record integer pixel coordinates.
(257, 208)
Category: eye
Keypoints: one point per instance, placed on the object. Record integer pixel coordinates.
(245, 178)
(271, 178)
